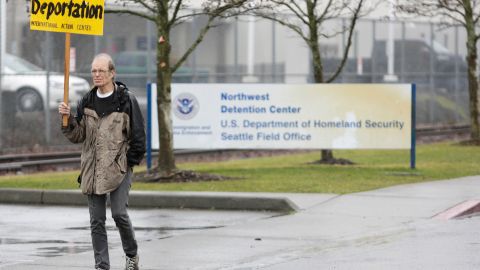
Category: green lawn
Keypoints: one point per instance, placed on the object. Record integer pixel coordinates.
(292, 173)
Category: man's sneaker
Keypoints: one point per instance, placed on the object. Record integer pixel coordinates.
(131, 263)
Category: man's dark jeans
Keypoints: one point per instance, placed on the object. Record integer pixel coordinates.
(119, 204)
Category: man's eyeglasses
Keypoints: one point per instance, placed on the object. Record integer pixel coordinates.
(99, 71)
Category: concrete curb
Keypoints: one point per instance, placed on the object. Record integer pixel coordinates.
(191, 200)
(37, 196)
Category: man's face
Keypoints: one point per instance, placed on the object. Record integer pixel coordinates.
(101, 76)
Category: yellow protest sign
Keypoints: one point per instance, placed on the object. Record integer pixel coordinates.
(69, 16)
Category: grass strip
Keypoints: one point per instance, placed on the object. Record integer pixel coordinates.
(292, 173)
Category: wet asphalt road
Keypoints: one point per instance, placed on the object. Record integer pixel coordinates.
(391, 228)
(30, 232)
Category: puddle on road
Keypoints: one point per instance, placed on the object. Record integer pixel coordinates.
(28, 233)
(10, 241)
(44, 248)
(53, 248)
(24, 249)
(112, 228)
(59, 251)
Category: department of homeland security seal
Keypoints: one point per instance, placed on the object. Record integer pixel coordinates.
(186, 106)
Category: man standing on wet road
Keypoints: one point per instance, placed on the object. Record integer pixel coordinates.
(110, 125)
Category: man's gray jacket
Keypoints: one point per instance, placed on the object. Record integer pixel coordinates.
(111, 144)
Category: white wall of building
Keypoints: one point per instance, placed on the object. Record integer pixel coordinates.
(219, 48)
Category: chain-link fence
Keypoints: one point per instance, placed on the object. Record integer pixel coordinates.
(236, 50)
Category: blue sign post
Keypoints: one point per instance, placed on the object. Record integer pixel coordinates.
(414, 136)
(149, 126)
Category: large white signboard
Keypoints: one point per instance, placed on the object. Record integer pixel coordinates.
(279, 116)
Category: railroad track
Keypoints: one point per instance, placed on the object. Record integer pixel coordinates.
(26, 163)
(433, 134)
(439, 131)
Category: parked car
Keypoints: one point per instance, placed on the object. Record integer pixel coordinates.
(25, 85)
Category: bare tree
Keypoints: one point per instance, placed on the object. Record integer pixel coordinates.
(166, 14)
(467, 14)
(307, 19)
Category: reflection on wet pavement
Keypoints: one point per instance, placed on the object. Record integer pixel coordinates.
(31, 232)
(112, 228)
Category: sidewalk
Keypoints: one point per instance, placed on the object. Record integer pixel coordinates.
(391, 228)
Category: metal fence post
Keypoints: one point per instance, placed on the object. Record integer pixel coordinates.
(46, 107)
(373, 61)
(193, 57)
(431, 78)
(274, 52)
(96, 41)
(344, 44)
(402, 55)
(235, 48)
(3, 33)
(149, 51)
(356, 55)
(456, 80)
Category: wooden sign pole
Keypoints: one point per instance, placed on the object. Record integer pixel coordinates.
(67, 75)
